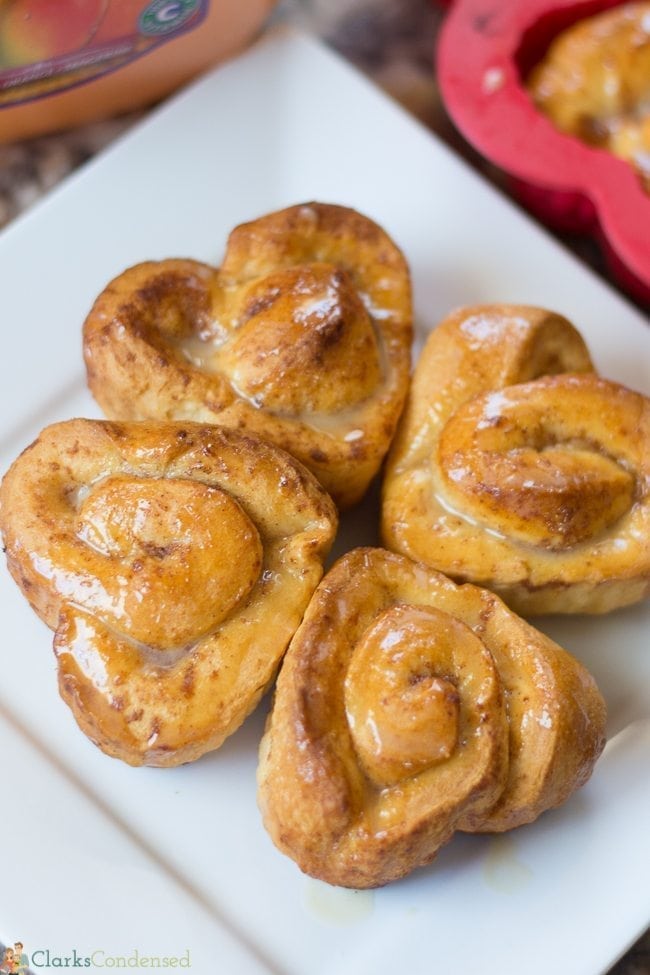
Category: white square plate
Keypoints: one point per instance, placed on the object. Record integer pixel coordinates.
(113, 858)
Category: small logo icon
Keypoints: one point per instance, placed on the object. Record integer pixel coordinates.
(14, 960)
(165, 16)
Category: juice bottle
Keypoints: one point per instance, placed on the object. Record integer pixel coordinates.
(65, 62)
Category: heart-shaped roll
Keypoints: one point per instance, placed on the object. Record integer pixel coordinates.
(302, 337)
(594, 83)
(174, 563)
(516, 467)
(408, 707)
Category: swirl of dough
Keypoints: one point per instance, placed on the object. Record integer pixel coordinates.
(539, 474)
(594, 83)
(403, 708)
(302, 337)
(517, 468)
(173, 562)
(409, 707)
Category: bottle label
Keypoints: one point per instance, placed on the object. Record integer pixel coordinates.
(47, 47)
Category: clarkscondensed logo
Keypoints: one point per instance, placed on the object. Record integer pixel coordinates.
(16, 960)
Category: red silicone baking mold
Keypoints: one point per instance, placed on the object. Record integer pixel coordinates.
(486, 49)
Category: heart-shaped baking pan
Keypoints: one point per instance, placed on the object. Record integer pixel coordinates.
(486, 50)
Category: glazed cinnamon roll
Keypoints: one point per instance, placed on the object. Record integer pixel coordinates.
(594, 83)
(408, 707)
(302, 337)
(174, 563)
(516, 467)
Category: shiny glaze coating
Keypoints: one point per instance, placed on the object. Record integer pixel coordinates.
(516, 467)
(302, 336)
(408, 707)
(174, 562)
(594, 82)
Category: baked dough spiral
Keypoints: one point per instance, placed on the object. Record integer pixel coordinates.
(516, 467)
(174, 563)
(302, 337)
(594, 83)
(408, 707)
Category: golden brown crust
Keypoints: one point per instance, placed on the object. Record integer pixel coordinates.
(408, 707)
(517, 468)
(301, 337)
(594, 83)
(174, 562)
